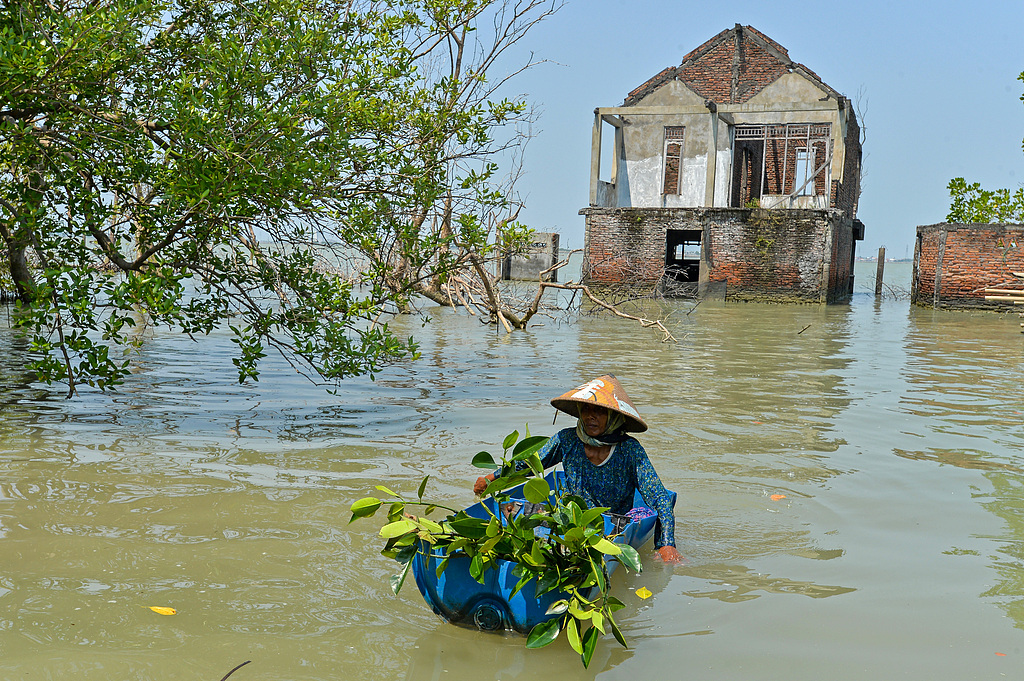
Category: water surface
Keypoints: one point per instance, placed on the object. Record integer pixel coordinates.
(894, 433)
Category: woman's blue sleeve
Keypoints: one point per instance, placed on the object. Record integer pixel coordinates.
(657, 497)
(551, 453)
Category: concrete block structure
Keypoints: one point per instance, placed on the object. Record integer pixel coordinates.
(736, 172)
(543, 254)
(954, 263)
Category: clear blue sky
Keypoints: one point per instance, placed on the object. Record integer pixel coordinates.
(937, 82)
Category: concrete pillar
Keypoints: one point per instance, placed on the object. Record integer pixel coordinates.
(709, 184)
(595, 158)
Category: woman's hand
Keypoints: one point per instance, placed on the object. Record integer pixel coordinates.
(481, 484)
(669, 554)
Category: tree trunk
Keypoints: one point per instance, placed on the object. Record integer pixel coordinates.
(21, 274)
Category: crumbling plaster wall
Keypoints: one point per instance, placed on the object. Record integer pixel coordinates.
(644, 142)
(644, 135)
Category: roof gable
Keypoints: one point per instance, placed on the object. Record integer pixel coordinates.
(730, 68)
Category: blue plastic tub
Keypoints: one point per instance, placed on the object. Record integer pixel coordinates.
(458, 598)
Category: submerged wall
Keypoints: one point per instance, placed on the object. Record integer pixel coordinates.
(954, 263)
(746, 254)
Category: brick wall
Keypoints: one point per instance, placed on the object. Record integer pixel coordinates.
(708, 69)
(953, 263)
(845, 195)
(747, 254)
(626, 245)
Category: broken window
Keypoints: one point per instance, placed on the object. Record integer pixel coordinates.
(786, 160)
(673, 158)
(803, 179)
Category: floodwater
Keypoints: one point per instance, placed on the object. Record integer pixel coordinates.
(896, 551)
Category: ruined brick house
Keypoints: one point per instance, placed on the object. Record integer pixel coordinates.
(736, 173)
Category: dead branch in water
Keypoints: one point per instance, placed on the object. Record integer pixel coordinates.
(481, 292)
(225, 677)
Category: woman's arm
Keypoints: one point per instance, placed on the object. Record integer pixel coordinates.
(657, 497)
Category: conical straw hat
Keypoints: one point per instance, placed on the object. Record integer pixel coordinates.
(605, 391)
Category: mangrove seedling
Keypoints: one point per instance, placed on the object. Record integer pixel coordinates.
(558, 546)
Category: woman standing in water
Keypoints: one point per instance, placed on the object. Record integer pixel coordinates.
(603, 464)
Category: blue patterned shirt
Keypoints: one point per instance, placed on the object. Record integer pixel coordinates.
(613, 483)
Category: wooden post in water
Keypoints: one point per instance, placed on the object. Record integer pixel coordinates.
(878, 271)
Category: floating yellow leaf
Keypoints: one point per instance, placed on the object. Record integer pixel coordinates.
(777, 497)
(644, 592)
(162, 610)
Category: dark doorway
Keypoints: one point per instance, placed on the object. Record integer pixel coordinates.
(682, 254)
(748, 159)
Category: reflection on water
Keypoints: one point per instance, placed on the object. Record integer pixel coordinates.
(849, 482)
(739, 584)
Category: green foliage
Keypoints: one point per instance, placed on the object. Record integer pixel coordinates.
(971, 204)
(571, 558)
(282, 166)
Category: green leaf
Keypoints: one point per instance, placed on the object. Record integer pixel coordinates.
(548, 581)
(510, 439)
(397, 528)
(423, 486)
(572, 632)
(607, 547)
(396, 511)
(406, 554)
(365, 507)
(484, 460)
(599, 579)
(592, 514)
(503, 483)
(616, 633)
(584, 613)
(472, 528)
(524, 579)
(476, 568)
(489, 545)
(543, 634)
(630, 558)
(536, 490)
(384, 489)
(598, 620)
(558, 607)
(589, 643)
(399, 579)
(528, 446)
